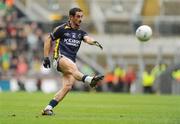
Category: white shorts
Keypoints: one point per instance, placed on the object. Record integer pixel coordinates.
(55, 64)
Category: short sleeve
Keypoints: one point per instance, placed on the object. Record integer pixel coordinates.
(56, 34)
(84, 34)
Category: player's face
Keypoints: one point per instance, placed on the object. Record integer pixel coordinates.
(77, 19)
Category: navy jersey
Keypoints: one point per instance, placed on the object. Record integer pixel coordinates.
(67, 41)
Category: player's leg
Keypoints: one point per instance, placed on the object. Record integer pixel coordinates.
(67, 81)
(68, 66)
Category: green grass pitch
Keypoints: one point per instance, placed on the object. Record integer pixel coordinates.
(90, 108)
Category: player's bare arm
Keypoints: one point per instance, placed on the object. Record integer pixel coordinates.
(91, 41)
(47, 47)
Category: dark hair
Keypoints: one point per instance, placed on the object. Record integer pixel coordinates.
(74, 10)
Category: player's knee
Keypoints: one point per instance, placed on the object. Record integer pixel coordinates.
(72, 71)
(69, 71)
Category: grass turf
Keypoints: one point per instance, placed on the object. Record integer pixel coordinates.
(90, 108)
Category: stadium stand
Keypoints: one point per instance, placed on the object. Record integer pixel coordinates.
(116, 15)
(112, 22)
(168, 21)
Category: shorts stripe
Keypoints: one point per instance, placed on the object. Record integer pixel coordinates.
(56, 49)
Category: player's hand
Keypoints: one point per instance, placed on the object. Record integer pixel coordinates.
(98, 45)
(46, 62)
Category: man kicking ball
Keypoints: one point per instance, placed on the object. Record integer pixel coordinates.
(67, 38)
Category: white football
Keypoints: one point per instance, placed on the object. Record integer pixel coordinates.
(144, 33)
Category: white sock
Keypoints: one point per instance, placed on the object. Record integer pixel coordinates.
(88, 79)
(48, 107)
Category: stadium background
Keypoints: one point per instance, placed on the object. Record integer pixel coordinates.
(128, 65)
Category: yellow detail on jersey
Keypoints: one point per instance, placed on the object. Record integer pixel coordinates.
(56, 52)
(67, 27)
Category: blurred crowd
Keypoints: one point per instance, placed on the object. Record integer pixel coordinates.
(120, 79)
(21, 52)
(21, 44)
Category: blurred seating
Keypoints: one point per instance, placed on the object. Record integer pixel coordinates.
(170, 7)
(167, 24)
(118, 15)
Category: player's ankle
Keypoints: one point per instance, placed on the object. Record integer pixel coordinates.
(48, 107)
(51, 104)
(87, 79)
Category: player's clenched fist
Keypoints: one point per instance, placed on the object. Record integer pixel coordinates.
(46, 62)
